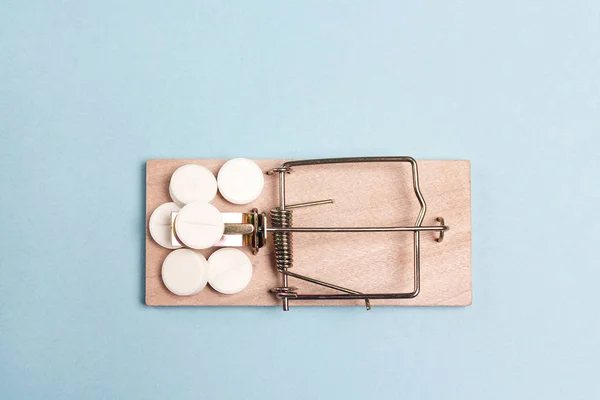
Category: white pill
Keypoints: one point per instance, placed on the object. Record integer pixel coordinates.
(229, 271)
(190, 183)
(184, 272)
(160, 225)
(240, 181)
(199, 225)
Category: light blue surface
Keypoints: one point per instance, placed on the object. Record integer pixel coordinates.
(90, 90)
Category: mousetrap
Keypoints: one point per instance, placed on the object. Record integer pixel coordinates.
(359, 231)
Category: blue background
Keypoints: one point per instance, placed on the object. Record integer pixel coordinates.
(90, 90)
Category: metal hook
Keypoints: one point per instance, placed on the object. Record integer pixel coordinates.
(440, 238)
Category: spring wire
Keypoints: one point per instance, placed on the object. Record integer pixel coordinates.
(283, 240)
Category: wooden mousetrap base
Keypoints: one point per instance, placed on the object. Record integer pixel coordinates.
(364, 194)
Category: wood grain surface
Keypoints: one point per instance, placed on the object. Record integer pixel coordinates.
(368, 194)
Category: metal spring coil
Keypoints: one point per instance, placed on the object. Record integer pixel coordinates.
(283, 240)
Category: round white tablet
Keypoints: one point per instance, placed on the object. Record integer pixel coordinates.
(199, 225)
(160, 225)
(229, 270)
(240, 181)
(190, 183)
(184, 272)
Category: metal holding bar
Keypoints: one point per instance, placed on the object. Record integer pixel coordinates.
(440, 228)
